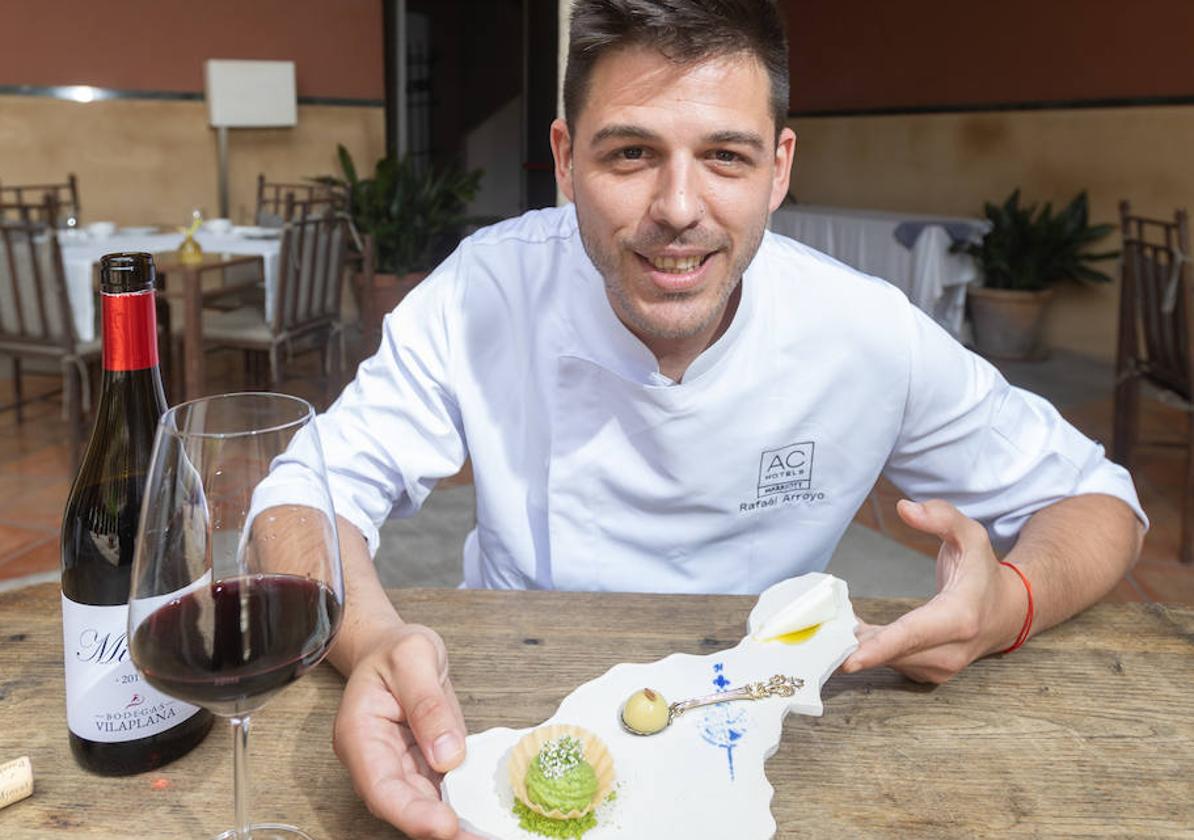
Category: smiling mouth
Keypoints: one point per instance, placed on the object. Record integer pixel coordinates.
(678, 265)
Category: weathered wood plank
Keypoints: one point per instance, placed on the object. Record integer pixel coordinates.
(1087, 731)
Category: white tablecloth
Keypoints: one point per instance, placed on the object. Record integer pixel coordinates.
(79, 255)
(932, 278)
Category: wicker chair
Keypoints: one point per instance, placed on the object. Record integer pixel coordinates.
(36, 320)
(1156, 311)
(278, 203)
(306, 306)
(63, 198)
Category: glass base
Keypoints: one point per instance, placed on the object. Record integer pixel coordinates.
(267, 831)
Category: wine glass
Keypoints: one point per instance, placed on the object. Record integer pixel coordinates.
(237, 588)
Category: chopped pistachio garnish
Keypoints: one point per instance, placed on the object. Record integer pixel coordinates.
(560, 755)
(536, 823)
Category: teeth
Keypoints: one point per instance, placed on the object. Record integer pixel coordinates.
(676, 265)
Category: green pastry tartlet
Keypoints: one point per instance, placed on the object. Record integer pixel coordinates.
(559, 775)
(559, 778)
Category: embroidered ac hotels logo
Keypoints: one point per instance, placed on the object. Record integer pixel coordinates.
(788, 469)
(785, 478)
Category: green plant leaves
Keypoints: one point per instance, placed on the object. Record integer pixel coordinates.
(415, 211)
(346, 164)
(1031, 247)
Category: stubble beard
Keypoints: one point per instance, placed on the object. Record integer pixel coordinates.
(640, 322)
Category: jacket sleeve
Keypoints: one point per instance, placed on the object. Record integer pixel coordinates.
(997, 452)
(396, 428)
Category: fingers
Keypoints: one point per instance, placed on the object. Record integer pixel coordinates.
(413, 806)
(416, 674)
(933, 635)
(882, 645)
(385, 761)
(941, 519)
(940, 638)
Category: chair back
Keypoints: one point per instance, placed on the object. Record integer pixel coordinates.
(321, 205)
(46, 213)
(64, 198)
(278, 203)
(35, 314)
(309, 273)
(1156, 301)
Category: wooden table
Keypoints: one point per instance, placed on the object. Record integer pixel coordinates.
(1087, 731)
(185, 280)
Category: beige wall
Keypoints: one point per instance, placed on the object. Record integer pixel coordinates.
(952, 163)
(148, 161)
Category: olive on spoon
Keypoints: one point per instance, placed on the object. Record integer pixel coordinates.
(646, 712)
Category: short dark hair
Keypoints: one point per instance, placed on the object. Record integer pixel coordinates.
(684, 31)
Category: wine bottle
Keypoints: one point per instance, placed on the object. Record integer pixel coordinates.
(118, 723)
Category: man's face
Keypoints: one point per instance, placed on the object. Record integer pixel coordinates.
(674, 170)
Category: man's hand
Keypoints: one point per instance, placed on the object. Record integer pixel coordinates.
(399, 728)
(978, 608)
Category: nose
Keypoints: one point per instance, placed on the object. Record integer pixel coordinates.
(678, 203)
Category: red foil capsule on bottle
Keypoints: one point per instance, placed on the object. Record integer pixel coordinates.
(130, 331)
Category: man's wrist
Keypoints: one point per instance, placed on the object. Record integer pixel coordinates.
(1013, 611)
(359, 641)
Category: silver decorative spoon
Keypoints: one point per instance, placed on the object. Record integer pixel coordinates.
(646, 712)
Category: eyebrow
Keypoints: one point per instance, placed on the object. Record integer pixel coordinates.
(621, 131)
(743, 138)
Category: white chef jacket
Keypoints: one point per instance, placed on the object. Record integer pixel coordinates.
(595, 472)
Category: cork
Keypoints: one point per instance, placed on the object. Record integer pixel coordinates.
(16, 781)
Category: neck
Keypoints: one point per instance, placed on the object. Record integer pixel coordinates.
(675, 355)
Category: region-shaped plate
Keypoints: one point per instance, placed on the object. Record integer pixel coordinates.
(703, 776)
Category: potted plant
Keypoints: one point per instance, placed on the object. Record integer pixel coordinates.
(1025, 251)
(409, 216)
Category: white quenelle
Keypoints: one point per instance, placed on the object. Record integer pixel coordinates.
(811, 607)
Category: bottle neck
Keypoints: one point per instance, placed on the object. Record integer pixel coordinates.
(130, 347)
(130, 335)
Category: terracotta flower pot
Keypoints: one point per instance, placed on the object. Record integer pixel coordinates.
(1009, 324)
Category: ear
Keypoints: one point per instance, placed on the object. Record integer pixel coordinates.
(785, 153)
(561, 150)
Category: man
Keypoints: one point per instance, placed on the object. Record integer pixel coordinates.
(657, 394)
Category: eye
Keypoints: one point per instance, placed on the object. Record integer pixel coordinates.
(628, 158)
(726, 156)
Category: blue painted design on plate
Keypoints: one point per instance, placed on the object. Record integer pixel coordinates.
(722, 724)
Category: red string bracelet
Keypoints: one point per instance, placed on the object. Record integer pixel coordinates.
(1022, 637)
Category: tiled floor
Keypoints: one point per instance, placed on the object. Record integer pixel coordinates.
(35, 472)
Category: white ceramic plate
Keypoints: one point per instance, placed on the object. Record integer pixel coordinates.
(144, 230)
(703, 776)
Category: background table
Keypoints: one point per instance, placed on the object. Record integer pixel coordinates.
(80, 256)
(1087, 731)
(932, 278)
(185, 280)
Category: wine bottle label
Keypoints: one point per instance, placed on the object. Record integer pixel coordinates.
(130, 331)
(106, 698)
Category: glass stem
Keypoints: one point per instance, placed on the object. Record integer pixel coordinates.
(240, 774)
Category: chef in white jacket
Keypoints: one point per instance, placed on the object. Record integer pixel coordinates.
(657, 394)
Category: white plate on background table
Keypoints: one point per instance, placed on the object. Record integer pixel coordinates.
(701, 778)
(251, 232)
(140, 230)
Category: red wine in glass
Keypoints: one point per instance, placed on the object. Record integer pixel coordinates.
(267, 631)
(236, 589)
